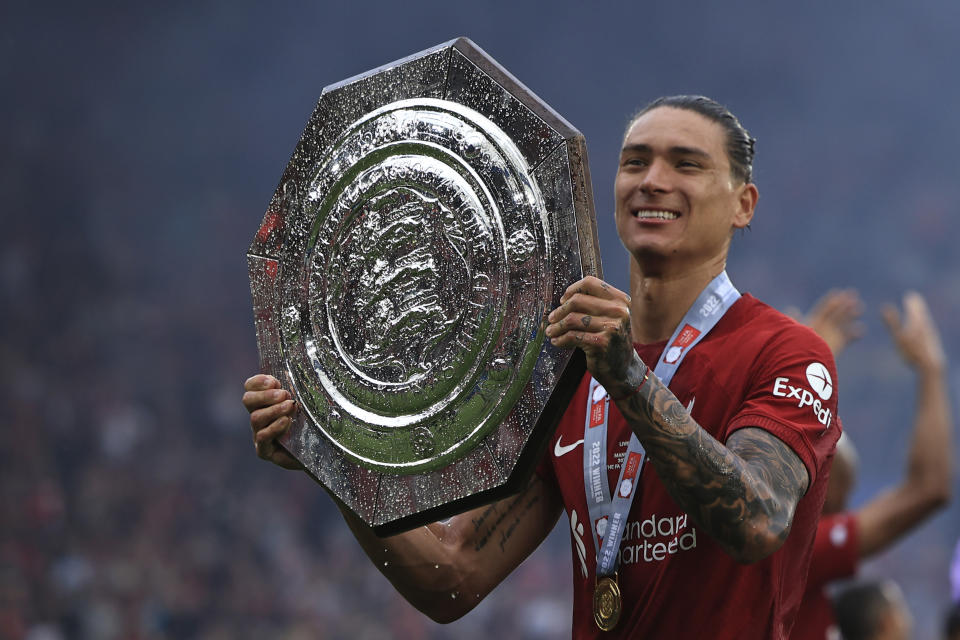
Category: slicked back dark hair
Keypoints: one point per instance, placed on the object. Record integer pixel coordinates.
(740, 144)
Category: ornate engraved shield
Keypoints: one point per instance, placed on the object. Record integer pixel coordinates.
(431, 216)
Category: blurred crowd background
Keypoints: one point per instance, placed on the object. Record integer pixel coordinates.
(140, 147)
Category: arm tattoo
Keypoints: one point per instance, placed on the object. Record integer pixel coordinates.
(502, 521)
(743, 494)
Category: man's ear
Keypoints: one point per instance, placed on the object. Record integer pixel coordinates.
(747, 204)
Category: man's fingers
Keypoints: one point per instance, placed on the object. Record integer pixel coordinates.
(254, 400)
(271, 410)
(593, 286)
(590, 310)
(836, 305)
(581, 338)
(272, 431)
(263, 417)
(596, 288)
(572, 339)
(575, 321)
(915, 313)
(915, 309)
(915, 332)
(582, 323)
(580, 305)
(261, 382)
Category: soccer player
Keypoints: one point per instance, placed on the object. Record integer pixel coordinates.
(691, 463)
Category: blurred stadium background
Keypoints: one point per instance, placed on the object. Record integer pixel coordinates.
(140, 148)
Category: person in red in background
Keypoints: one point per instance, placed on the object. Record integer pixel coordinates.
(844, 536)
(874, 610)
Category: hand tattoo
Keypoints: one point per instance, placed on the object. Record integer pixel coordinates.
(620, 370)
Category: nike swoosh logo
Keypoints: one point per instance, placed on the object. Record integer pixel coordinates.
(690, 406)
(559, 449)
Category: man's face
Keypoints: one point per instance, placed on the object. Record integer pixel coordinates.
(675, 196)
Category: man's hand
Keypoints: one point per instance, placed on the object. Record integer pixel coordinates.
(928, 479)
(915, 334)
(596, 318)
(836, 318)
(271, 411)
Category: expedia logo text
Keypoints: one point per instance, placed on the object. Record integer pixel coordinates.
(804, 398)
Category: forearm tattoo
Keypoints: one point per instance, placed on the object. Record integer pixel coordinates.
(744, 494)
(500, 523)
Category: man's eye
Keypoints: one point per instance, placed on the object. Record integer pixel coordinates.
(636, 162)
(687, 164)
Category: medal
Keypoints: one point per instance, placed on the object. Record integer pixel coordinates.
(607, 603)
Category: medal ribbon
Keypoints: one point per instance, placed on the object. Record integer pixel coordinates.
(703, 315)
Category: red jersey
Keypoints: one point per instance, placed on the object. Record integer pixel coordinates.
(836, 554)
(756, 368)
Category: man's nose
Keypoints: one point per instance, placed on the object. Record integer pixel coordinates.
(656, 179)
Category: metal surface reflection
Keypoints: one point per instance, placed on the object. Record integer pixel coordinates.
(431, 216)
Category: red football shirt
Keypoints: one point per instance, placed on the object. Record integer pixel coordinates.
(756, 368)
(836, 555)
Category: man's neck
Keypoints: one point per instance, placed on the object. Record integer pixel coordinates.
(658, 301)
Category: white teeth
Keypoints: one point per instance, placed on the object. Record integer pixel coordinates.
(657, 215)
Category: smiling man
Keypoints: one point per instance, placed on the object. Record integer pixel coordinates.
(692, 461)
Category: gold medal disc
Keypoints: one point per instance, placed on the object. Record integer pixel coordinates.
(607, 603)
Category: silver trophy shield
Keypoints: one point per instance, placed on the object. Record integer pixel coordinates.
(432, 214)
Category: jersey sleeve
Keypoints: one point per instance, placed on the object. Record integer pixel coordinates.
(792, 393)
(836, 549)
